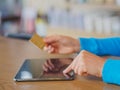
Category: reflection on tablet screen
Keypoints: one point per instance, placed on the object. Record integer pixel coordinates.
(44, 69)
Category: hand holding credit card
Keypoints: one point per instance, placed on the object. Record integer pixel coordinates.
(37, 41)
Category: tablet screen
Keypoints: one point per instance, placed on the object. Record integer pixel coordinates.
(44, 70)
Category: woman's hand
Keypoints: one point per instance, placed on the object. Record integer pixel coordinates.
(61, 44)
(86, 63)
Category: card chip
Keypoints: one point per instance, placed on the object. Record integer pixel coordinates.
(38, 41)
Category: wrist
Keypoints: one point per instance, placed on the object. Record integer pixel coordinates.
(77, 46)
(101, 67)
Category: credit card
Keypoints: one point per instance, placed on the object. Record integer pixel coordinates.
(37, 41)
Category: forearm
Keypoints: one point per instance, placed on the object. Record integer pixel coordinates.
(111, 71)
(106, 46)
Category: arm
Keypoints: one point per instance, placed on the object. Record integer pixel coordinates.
(111, 71)
(106, 46)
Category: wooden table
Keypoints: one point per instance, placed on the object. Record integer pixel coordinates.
(12, 54)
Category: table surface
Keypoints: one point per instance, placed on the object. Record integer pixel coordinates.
(12, 54)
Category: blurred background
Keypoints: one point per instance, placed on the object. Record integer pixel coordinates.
(84, 18)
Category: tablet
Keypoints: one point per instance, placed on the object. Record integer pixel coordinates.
(44, 70)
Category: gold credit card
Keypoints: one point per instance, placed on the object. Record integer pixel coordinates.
(38, 41)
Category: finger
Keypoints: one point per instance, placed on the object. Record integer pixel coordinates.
(80, 71)
(85, 74)
(76, 69)
(66, 75)
(51, 39)
(50, 49)
(68, 69)
(45, 48)
(84, 69)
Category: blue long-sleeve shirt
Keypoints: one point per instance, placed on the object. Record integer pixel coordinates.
(105, 46)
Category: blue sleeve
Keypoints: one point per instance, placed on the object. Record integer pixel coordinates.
(111, 71)
(103, 46)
